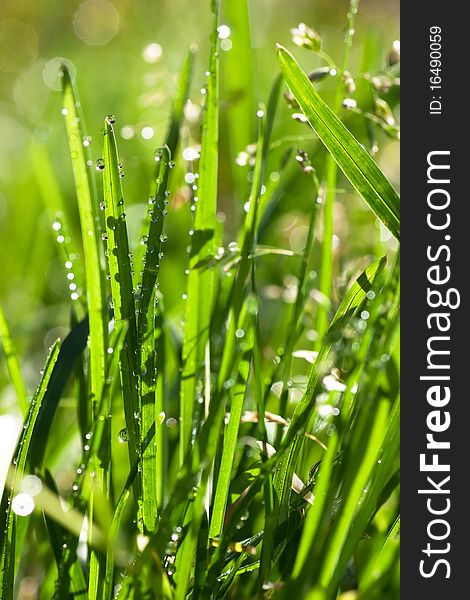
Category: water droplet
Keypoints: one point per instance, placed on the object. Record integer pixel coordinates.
(86, 141)
(56, 226)
(163, 237)
(64, 111)
(239, 333)
(172, 164)
(104, 236)
(99, 164)
(103, 205)
(110, 119)
(223, 32)
(144, 239)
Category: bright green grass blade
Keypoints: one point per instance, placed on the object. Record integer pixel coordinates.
(354, 161)
(382, 560)
(13, 364)
(237, 395)
(88, 211)
(121, 282)
(200, 286)
(12, 525)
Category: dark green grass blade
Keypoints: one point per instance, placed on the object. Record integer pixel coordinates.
(88, 211)
(13, 364)
(351, 157)
(200, 286)
(121, 283)
(14, 527)
(70, 350)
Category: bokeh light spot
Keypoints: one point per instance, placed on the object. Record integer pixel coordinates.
(96, 22)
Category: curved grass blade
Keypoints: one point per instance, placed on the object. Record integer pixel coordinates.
(13, 364)
(353, 160)
(13, 526)
(200, 286)
(70, 350)
(88, 211)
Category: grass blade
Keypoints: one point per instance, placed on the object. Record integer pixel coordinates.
(13, 364)
(121, 282)
(88, 211)
(14, 525)
(200, 286)
(354, 161)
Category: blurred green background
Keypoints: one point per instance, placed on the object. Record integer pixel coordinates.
(126, 56)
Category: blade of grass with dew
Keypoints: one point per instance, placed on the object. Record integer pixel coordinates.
(147, 335)
(354, 161)
(13, 364)
(326, 269)
(121, 284)
(89, 219)
(13, 525)
(200, 285)
(88, 212)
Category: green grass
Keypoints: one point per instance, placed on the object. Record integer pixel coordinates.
(240, 441)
